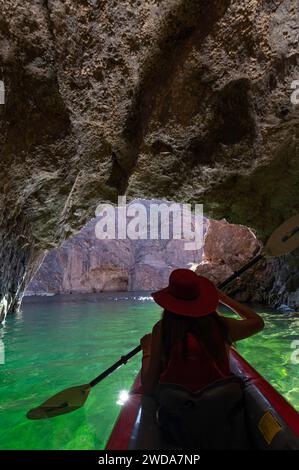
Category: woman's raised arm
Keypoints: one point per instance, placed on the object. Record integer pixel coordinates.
(250, 324)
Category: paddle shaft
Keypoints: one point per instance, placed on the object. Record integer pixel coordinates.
(116, 365)
(124, 359)
(241, 271)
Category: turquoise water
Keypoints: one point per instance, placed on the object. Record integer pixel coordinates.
(56, 342)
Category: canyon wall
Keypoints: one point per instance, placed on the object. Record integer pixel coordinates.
(179, 100)
(86, 264)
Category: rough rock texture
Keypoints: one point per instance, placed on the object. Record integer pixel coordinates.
(180, 99)
(227, 247)
(285, 287)
(275, 282)
(84, 264)
(87, 264)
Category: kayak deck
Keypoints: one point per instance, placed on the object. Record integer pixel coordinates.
(272, 422)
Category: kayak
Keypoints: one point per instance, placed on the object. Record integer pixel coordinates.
(272, 423)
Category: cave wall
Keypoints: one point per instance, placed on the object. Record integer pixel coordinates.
(275, 281)
(183, 100)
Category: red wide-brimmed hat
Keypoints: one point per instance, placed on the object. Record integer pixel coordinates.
(188, 294)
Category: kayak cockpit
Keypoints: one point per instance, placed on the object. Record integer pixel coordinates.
(264, 421)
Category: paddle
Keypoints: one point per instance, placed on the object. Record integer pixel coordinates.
(73, 398)
(283, 240)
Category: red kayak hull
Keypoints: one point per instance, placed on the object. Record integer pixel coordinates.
(122, 432)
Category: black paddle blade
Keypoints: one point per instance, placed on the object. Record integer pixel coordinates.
(63, 402)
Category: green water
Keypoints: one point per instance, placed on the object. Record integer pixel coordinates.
(57, 341)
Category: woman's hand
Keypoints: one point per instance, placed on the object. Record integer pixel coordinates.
(145, 343)
(251, 324)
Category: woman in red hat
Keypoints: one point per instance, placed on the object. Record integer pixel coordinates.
(189, 346)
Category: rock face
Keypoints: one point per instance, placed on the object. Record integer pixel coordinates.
(274, 282)
(86, 264)
(285, 287)
(186, 100)
(227, 247)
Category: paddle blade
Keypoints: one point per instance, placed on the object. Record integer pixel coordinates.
(284, 239)
(63, 402)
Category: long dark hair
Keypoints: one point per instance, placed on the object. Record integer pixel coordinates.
(176, 328)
